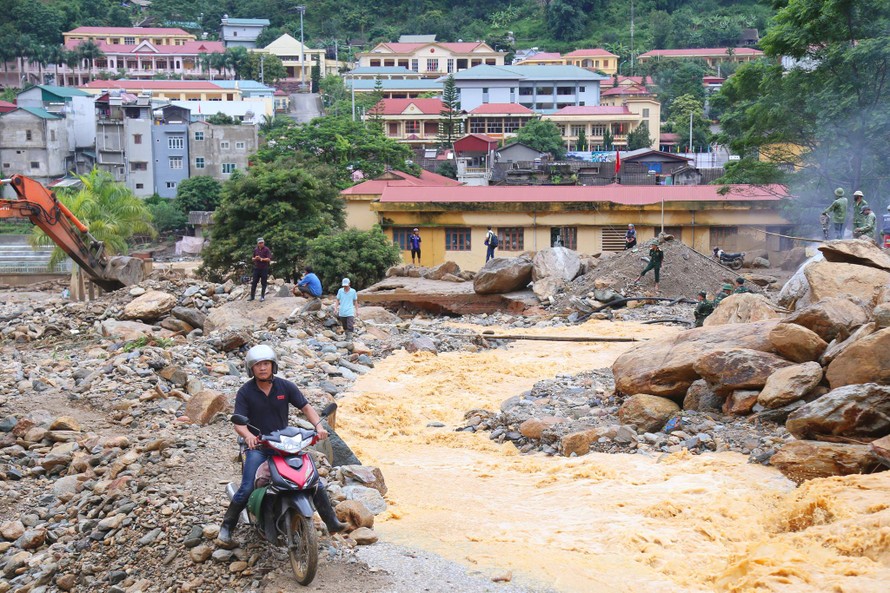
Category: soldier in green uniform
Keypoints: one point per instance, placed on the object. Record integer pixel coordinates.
(727, 290)
(656, 256)
(866, 228)
(740, 286)
(859, 204)
(702, 309)
(838, 212)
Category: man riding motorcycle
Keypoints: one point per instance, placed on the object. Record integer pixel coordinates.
(265, 400)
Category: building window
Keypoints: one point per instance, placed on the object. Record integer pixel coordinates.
(450, 65)
(199, 136)
(400, 237)
(577, 130)
(457, 239)
(581, 89)
(565, 90)
(171, 184)
(239, 145)
(35, 165)
(6, 165)
(138, 166)
(176, 162)
(140, 185)
(646, 113)
(511, 238)
(432, 65)
(598, 131)
(477, 126)
(565, 236)
(175, 142)
(228, 168)
(526, 91)
(52, 135)
(137, 138)
(224, 145)
(495, 126)
(27, 134)
(129, 41)
(415, 65)
(199, 162)
(393, 129)
(412, 126)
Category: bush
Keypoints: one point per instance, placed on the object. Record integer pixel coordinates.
(361, 256)
(167, 217)
(198, 193)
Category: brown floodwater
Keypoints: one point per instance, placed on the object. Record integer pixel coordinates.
(599, 522)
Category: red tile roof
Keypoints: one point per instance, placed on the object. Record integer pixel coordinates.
(543, 55)
(408, 48)
(156, 31)
(482, 137)
(591, 53)
(377, 186)
(160, 85)
(629, 195)
(702, 51)
(593, 110)
(398, 106)
(6, 106)
(625, 90)
(499, 108)
(187, 48)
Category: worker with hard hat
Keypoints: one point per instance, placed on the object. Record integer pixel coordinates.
(859, 204)
(838, 212)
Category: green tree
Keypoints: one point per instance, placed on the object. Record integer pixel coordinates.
(267, 68)
(447, 169)
(238, 59)
(108, 208)
(289, 202)
(221, 119)
(752, 171)
(581, 143)
(363, 256)
(89, 51)
(450, 120)
(198, 193)
(565, 20)
(165, 215)
(543, 135)
(639, 137)
(686, 108)
(608, 139)
(677, 78)
(375, 113)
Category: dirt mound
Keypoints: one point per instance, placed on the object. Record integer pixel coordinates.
(683, 273)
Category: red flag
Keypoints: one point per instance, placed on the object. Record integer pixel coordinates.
(617, 161)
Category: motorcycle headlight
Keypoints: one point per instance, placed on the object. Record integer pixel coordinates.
(292, 444)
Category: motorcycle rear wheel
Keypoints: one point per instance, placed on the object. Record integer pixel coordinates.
(736, 264)
(302, 546)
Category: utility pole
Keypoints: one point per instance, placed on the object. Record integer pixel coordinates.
(262, 77)
(690, 131)
(352, 86)
(632, 39)
(302, 10)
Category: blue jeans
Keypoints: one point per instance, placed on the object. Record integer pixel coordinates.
(252, 462)
(490, 253)
(839, 230)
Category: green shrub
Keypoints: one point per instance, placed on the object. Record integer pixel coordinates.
(167, 217)
(361, 256)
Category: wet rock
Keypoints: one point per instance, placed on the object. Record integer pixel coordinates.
(864, 361)
(365, 475)
(797, 343)
(534, 427)
(828, 279)
(800, 461)
(742, 308)
(443, 269)
(647, 412)
(190, 315)
(738, 369)
(421, 343)
(548, 287)
(503, 274)
(150, 306)
(701, 398)
(790, 384)
(740, 402)
(859, 412)
(202, 408)
(556, 262)
(831, 317)
(371, 498)
(355, 514)
(364, 536)
(856, 251)
(377, 315)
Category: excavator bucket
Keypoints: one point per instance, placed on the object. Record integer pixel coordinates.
(124, 270)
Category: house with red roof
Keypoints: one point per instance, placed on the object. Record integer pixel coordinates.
(593, 121)
(710, 55)
(412, 121)
(6, 106)
(431, 59)
(596, 59)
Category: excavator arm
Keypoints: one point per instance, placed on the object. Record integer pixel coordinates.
(43, 209)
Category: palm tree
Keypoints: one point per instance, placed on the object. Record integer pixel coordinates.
(109, 209)
(90, 51)
(56, 57)
(7, 52)
(218, 61)
(72, 60)
(41, 55)
(239, 60)
(23, 48)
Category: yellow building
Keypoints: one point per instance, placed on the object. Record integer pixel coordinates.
(298, 59)
(453, 220)
(710, 55)
(173, 90)
(596, 59)
(156, 36)
(594, 121)
(431, 59)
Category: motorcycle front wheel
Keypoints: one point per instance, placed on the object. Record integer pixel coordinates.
(302, 546)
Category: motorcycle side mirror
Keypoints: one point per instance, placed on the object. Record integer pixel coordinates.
(329, 409)
(239, 420)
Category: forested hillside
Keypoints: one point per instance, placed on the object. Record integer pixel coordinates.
(554, 25)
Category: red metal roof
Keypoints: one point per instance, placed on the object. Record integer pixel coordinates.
(398, 106)
(628, 195)
(593, 110)
(160, 85)
(187, 48)
(596, 52)
(408, 48)
(702, 51)
(6, 106)
(158, 31)
(377, 186)
(501, 108)
(625, 90)
(544, 55)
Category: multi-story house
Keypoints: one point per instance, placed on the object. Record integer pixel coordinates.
(498, 120)
(124, 140)
(241, 32)
(219, 150)
(298, 60)
(711, 55)
(79, 113)
(633, 93)
(412, 121)
(395, 88)
(33, 142)
(596, 59)
(173, 90)
(431, 58)
(544, 89)
(594, 121)
(170, 149)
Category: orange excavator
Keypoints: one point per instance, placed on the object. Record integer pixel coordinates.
(42, 208)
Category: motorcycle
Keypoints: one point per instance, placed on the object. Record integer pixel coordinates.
(281, 506)
(732, 260)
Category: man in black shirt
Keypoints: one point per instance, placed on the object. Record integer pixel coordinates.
(262, 258)
(265, 400)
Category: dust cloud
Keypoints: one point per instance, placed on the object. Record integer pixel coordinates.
(599, 522)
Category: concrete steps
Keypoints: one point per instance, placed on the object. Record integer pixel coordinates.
(17, 257)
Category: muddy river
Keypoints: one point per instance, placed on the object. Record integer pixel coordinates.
(598, 522)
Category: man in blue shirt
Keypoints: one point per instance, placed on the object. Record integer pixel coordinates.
(309, 286)
(414, 244)
(347, 303)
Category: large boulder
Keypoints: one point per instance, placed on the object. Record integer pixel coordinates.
(442, 270)
(665, 367)
(741, 368)
(740, 402)
(797, 343)
(831, 279)
(742, 308)
(864, 361)
(238, 315)
(838, 345)
(790, 384)
(545, 288)
(856, 251)
(503, 274)
(190, 315)
(796, 292)
(806, 460)
(152, 305)
(128, 270)
(127, 330)
(701, 398)
(648, 413)
(377, 315)
(860, 412)
(204, 406)
(831, 317)
(556, 262)
(881, 315)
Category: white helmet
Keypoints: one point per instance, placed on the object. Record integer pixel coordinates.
(260, 353)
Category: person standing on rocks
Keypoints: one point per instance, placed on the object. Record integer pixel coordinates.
(725, 292)
(702, 309)
(262, 258)
(859, 204)
(265, 400)
(656, 257)
(740, 287)
(491, 241)
(866, 227)
(630, 237)
(414, 244)
(347, 303)
(838, 212)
